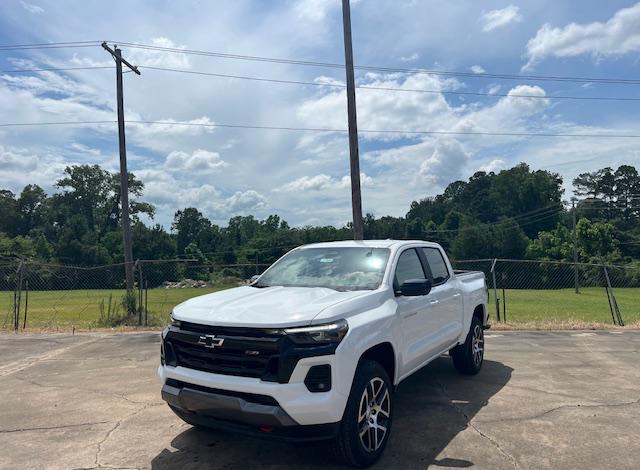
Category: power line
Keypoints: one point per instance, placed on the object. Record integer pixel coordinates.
(497, 76)
(49, 45)
(329, 130)
(340, 85)
(56, 69)
(510, 223)
(500, 76)
(381, 88)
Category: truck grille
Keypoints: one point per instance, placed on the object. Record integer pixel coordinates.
(242, 352)
(267, 354)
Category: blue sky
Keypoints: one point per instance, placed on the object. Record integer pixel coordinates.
(303, 175)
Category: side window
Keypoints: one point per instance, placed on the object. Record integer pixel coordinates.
(437, 265)
(409, 267)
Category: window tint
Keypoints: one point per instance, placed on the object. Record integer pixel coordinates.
(437, 265)
(409, 267)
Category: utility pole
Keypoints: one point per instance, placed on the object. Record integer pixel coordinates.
(575, 247)
(354, 158)
(124, 175)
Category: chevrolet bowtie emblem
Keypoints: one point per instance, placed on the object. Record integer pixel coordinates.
(210, 341)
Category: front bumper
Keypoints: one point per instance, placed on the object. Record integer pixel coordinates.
(223, 406)
(295, 401)
(221, 411)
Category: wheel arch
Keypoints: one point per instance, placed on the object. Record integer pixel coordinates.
(480, 313)
(384, 354)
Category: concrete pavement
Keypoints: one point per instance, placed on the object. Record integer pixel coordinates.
(543, 400)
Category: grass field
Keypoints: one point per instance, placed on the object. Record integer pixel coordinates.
(590, 305)
(81, 308)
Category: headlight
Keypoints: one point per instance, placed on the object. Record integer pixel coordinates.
(319, 334)
(174, 322)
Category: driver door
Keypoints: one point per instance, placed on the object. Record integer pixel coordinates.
(414, 311)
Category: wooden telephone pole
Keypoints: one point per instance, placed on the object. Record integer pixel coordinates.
(124, 175)
(354, 158)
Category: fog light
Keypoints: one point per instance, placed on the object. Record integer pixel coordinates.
(319, 378)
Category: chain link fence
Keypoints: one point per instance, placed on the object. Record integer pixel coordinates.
(38, 295)
(49, 296)
(539, 291)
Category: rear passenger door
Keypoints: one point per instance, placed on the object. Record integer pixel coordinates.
(446, 296)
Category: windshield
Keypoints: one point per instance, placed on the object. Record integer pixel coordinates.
(353, 268)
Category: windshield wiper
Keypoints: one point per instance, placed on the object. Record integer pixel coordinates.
(259, 285)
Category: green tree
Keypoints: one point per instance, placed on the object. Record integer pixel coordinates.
(8, 213)
(188, 224)
(30, 206)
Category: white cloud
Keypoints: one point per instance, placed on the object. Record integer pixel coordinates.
(410, 58)
(198, 161)
(84, 149)
(159, 58)
(619, 35)
(494, 165)
(161, 135)
(497, 18)
(15, 160)
(31, 8)
(493, 89)
(477, 69)
(445, 163)
(323, 182)
(245, 201)
(381, 109)
(313, 10)
(23, 166)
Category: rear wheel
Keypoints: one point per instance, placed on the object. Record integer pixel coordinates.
(366, 423)
(468, 357)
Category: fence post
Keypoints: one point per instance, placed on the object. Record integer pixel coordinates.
(26, 304)
(613, 304)
(576, 278)
(139, 266)
(495, 289)
(17, 296)
(146, 302)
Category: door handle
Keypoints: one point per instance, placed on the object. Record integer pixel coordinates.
(434, 302)
(457, 294)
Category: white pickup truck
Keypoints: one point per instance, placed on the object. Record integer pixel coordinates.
(314, 347)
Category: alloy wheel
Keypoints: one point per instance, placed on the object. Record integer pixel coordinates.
(477, 345)
(374, 414)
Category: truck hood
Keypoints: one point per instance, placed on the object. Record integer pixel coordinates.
(269, 307)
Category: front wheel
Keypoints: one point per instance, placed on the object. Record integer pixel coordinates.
(366, 423)
(468, 357)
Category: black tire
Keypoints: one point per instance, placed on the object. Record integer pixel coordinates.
(349, 446)
(467, 359)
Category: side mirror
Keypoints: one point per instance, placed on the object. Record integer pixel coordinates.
(254, 278)
(414, 287)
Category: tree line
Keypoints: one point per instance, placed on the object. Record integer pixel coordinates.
(515, 213)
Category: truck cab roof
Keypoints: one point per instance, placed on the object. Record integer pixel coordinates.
(388, 243)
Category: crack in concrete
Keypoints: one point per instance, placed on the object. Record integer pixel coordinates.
(99, 449)
(553, 410)
(495, 443)
(51, 428)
